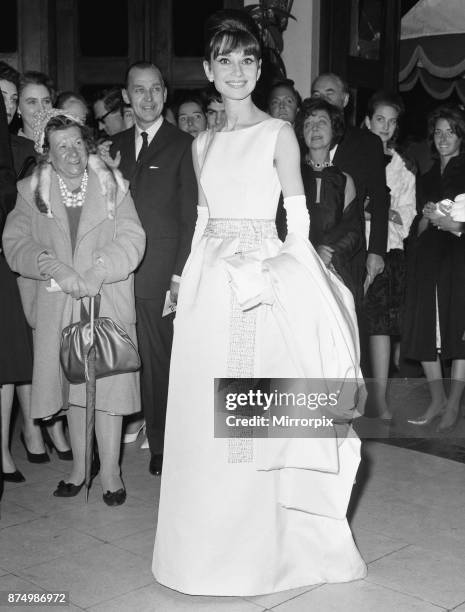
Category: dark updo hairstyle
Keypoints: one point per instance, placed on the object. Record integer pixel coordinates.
(385, 98)
(32, 77)
(229, 30)
(62, 122)
(455, 118)
(309, 107)
(8, 73)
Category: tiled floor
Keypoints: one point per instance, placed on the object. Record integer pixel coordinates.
(407, 516)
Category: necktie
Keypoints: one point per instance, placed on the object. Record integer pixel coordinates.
(144, 147)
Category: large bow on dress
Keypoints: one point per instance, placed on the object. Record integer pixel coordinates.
(316, 315)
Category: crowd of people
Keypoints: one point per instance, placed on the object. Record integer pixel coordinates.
(286, 236)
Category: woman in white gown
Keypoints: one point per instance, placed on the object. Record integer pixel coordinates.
(246, 516)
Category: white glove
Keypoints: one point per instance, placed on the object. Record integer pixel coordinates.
(298, 220)
(457, 211)
(200, 225)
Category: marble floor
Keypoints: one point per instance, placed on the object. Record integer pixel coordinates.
(407, 516)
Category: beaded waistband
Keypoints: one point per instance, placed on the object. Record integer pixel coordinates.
(252, 230)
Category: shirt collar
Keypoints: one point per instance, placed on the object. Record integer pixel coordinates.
(151, 131)
(332, 153)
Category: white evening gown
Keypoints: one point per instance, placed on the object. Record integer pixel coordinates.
(247, 517)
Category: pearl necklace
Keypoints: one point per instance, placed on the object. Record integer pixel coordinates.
(316, 165)
(71, 199)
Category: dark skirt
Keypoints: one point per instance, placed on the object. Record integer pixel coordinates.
(436, 267)
(383, 304)
(15, 333)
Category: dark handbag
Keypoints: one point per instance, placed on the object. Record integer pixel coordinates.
(115, 352)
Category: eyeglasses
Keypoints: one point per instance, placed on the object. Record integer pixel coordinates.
(103, 117)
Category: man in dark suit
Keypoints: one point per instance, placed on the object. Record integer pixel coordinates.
(156, 159)
(360, 154)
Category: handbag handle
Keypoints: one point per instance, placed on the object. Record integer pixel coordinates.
(85, 313)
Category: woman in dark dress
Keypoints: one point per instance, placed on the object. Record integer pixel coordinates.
(435, 310)
(385, 297)
(34, 92)
(15, 341)
(335, 228)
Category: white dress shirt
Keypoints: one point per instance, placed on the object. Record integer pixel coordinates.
(151, 131)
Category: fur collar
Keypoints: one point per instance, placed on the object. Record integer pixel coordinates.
(110, 180)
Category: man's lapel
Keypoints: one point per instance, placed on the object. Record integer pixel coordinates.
(159, 141)
(128, 155)
(149, 162)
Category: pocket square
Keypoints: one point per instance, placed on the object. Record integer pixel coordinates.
(153, 167)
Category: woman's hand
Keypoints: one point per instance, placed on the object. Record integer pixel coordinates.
(69, 280)
(326, 253)
(93, 279)
(430, 210)
(446, 223)
(75, 286)
(103, 150)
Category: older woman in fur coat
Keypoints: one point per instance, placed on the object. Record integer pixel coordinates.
(75, 226)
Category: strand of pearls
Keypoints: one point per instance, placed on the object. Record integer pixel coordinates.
(71, 199)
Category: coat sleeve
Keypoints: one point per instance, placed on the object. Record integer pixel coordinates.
(187, 207)
(122, 255)
(346, 238)
(21, 250)
(379, 197)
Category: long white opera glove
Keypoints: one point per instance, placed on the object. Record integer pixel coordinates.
(200, 225)
(298, 220)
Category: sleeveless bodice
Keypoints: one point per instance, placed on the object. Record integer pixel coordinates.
(238, 176)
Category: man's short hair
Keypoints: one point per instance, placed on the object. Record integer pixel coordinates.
(142, 65)
(332, 75)
(112, 99)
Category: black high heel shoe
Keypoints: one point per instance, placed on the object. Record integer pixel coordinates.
(67, 489)
(15, 476)
(34, 457)
(63, 455)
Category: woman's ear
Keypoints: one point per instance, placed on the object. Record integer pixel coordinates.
(208, 71)
(367, 122)
(259, 71)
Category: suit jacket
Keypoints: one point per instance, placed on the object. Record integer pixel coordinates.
(360, 154)
(164, 190)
